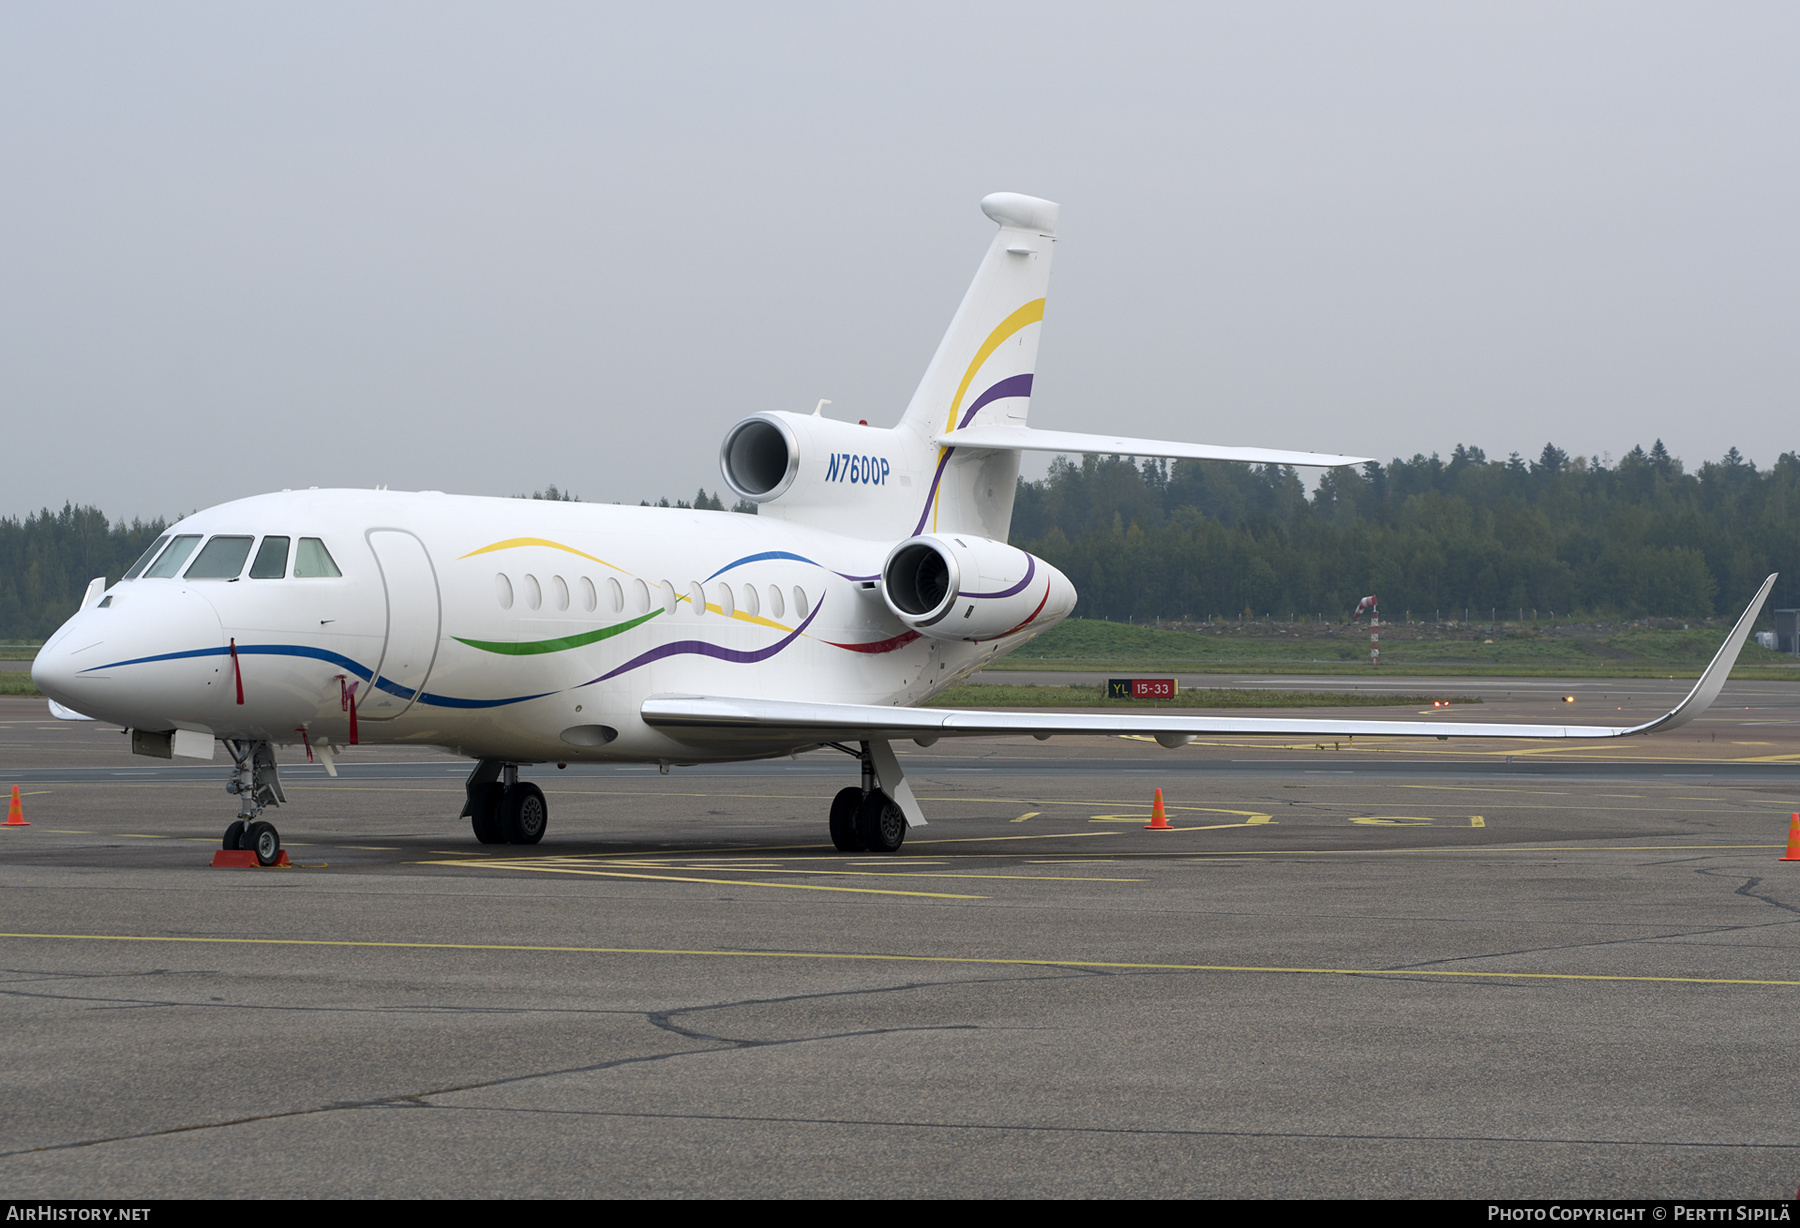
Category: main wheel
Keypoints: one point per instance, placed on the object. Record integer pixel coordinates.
(844, 808)
(265, 841)
(880, 825)
(523, 814)
(484, 816)
(234, 836)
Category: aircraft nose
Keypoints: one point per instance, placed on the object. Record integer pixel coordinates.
(129, 661)
(52, 672)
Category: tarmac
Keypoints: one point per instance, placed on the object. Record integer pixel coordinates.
(1378, 969)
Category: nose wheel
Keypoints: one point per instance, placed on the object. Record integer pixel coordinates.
(256, 782)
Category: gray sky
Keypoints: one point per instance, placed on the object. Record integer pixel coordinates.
(481, 248)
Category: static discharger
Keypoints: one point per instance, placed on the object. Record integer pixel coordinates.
(1793, 853)
(15, 814)
(1158, 820)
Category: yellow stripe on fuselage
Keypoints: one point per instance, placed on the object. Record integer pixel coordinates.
(513, 542)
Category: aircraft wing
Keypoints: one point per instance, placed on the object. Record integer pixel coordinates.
(1028, 439)
(718, 721)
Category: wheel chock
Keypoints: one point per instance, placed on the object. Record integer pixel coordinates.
(1158, 820)
(245, 859)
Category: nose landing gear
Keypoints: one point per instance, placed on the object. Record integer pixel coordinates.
(503, 809)
(257, 783)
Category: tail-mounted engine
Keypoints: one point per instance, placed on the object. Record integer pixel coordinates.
(956, 587)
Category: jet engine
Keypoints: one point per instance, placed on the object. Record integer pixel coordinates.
(956, 587)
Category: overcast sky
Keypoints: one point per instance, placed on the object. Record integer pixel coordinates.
(482, 248)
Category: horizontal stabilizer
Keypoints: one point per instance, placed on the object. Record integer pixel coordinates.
(998, 436)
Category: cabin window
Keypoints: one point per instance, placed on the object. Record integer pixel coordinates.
(271, 559)
(696, 598)
(589, 599)
(727, 606)
(173, 557)
(799, 602)
(144, 558)
(559, 592)
(312, 561)
(503, 590)
(534, 594)
(643, 596)
(615, 595)
(668, 597)
(751, 606)
(776, 608)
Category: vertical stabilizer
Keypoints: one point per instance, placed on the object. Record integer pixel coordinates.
(982, 371)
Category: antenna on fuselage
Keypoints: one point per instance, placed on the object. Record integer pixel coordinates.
(821, 405)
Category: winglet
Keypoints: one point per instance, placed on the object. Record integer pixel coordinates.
(1713, 680)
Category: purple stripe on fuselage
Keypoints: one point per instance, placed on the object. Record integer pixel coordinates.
(1011, 386)
(703, 649)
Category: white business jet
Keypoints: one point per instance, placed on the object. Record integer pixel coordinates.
(517, 632)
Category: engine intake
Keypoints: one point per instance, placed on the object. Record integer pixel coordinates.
(760, 458)
(957, 587)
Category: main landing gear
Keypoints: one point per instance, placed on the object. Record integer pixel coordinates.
(502, 808)
(257, 783)
(874, 816)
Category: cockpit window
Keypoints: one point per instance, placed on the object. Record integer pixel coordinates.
(144, 558)
(222, 559)
(271, 559)
(173, 557)
(312, 559)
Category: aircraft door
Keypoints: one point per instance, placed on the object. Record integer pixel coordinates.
(413, 616)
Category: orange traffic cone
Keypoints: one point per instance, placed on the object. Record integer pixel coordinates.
(1793, 853)
(1158, 820)
(15, 813)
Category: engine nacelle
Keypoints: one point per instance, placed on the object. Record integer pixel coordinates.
(953, 586)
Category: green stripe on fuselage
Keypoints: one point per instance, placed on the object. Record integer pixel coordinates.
(533, 647)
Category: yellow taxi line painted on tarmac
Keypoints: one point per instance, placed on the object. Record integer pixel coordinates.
(542, 868)
(867, 957)
(1043, 878)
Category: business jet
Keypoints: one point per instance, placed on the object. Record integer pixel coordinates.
(518, 632)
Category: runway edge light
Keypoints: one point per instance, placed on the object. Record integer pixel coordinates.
(15, 813)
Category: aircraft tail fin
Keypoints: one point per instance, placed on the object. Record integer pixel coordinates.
(983, 369)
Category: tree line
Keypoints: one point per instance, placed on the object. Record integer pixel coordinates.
(1563, 535)
(1568, 536)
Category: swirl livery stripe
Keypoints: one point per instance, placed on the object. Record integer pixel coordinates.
(513, 543)
(1011, 386)
(330, 658)
(1030, 570)
(531, 648)
(703, 649)
(757, 558)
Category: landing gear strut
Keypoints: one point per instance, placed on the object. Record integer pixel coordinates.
(502, 808)
(257, 783)
(874, 817)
